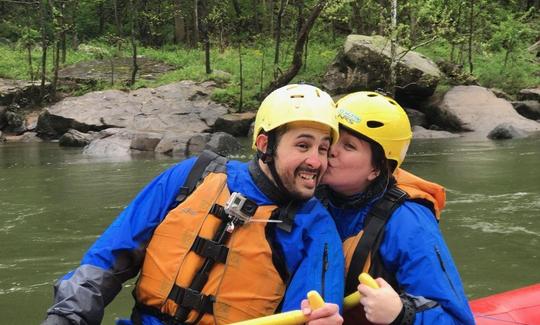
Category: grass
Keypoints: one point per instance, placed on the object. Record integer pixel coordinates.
(257, 61)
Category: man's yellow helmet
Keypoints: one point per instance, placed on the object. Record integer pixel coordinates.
(295, 103)
(379, 118)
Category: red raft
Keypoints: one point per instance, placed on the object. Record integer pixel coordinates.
(520, 306)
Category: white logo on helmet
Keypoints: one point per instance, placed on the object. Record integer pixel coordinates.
(348, 116)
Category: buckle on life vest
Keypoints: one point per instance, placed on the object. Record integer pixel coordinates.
(192, 299)
(210, 249)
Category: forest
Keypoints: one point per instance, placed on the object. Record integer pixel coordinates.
(250, 47)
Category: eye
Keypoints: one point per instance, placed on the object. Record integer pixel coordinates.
(303, 146)
(349, 146)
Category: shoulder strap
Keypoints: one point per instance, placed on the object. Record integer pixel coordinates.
(373, 232)
(207, 162)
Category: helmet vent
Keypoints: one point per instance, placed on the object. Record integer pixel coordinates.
(392, 102)
(297, 96)
(372, 95)
(374, 124)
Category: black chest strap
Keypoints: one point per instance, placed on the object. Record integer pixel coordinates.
(377, 217)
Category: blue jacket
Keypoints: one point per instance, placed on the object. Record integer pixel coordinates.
(414, 250)
(82, 294)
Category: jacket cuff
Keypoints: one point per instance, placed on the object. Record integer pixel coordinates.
(407, 314)
(54, 319)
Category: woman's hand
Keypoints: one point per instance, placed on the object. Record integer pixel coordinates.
(382, 305)
(326, 315)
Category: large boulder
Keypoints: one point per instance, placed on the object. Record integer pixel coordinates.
(236, 124)
(74, 138)
(179, 107)
(477, 111)
(528, 108)
(529, 94)
(20, 92)
(364, 63)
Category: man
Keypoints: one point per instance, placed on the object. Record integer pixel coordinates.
(216, 241)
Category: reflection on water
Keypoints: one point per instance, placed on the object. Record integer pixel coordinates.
(55, 202)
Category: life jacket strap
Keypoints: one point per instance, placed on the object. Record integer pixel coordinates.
(192, 299)
(210, 249)
(219, 211)
(373, 233)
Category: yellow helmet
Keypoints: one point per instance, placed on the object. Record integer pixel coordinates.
(294, 103)
(379, 118)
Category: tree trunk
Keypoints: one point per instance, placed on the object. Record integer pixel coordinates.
(471, 33)
(278, 34)
(300, 17)
(298, 51)
(30, 68)
(203, 25)
(135, 66)
(101, 15)
(43, 23)
(356, 17)
(391, 88)
(179, 23)
(241, 101)
(117, 19)
(195, 37)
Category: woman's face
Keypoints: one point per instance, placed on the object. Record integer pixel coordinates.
(349, 165)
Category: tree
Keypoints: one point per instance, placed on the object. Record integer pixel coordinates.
(29, 39)
(286, 77)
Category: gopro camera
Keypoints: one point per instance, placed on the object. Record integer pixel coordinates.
(240, 208)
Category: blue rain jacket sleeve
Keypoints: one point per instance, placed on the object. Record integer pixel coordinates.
(116, 256)
(414, 250)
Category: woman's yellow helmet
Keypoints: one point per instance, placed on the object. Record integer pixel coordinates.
(294, 103)
(379, 118)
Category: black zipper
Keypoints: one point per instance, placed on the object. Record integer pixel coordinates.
(444, 270)
(324, 268)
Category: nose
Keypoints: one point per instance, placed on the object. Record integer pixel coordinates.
(333, 151)
(315, 159)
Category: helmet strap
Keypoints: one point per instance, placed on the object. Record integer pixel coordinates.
(268, 158)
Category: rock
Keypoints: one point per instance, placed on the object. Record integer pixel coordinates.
(364, 64)
(528, 108)
(506, 131)
(166, 108)
(145, 141)
(74, 138)
(455, 74)
(111, 143)
(420, 132)
(222, 143)
(529, 94)
(236, 124)
(416, 117)
(20, 92)
(174, 144)
(475, 110)
(15, 121)
(3, 121)
(501, 94)
(197, 144)
(26, 137)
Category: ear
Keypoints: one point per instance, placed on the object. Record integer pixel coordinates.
(261, 142)
(374, 174)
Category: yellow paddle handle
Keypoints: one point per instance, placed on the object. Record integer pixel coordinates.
(294, 317)
(353, 299)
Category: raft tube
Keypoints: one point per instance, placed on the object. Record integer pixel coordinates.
(520, 306)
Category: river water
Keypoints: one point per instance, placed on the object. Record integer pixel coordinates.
(54, 202)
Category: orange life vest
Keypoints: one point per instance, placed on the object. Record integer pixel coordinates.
(430, 194)
(244, 285)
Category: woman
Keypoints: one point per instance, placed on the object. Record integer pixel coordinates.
(389, 228)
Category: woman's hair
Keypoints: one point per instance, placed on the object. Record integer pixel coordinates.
(378, 158)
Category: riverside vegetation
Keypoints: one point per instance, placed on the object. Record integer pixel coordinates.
(249, 45)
